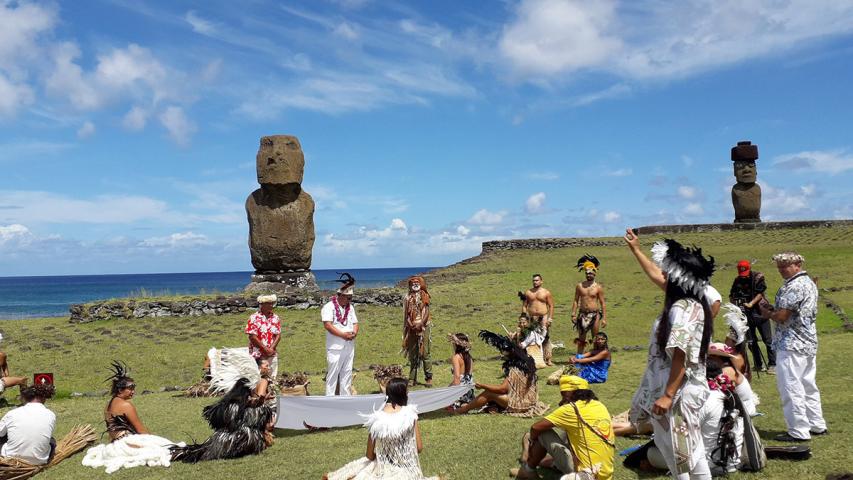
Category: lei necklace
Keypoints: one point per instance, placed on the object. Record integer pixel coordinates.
(341, 319)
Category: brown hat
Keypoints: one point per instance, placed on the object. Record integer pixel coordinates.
(745, 151)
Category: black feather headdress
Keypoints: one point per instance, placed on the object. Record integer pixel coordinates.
(346, 280)
(587, 259)
(120, 377)
(684, 266)
(516, 357)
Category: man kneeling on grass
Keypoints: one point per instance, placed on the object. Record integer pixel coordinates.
(582, 442)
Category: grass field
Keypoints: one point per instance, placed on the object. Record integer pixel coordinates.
(467, 297)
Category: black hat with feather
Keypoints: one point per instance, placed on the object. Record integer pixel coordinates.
(684, 266)
(588, 262)
(120, 377)
(347, 281)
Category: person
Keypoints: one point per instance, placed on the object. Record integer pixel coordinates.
(589, 312)
(461, 366)
(736, 339)
(577, 435)
(518, 395)
(27, 431)
(747, 291)
(722, 421)
(538, 305)
(341, 324)
(721, 355)
(393, 441)
(594, 364)
(795, 344)
(530, 335)
(416, 330)
(131, 444)
(242, 422)
(264, 330)
(673, 387)
(7, 380)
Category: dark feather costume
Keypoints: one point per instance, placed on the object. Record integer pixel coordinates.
(587, 258)
(239, 422)
(516, 357)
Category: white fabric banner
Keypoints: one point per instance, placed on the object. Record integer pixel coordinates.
(297, 413)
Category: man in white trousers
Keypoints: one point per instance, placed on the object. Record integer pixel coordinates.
(795, 341)
(341, 326)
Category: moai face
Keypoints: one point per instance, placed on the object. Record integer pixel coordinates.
(745, 171)
(280, 160)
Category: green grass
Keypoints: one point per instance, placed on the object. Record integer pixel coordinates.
(478, 294)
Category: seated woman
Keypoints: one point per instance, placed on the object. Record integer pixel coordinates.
(7, 380)
(393, 441)
(462, 366)
(242, 422)
(594, 364)
(736, 338)
(518, 395)
(131, 443)
(722, 355)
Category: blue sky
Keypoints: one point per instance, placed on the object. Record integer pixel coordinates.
(128, 131)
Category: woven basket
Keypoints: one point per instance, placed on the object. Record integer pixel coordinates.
(295, 391)
(535, 351)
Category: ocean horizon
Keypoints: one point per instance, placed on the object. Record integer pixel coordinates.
(51, 296)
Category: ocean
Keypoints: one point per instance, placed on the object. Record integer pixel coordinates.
(29, 297)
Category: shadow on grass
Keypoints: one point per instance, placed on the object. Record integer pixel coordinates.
(769, 434)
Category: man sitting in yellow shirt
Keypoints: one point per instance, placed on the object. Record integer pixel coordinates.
(582, 441)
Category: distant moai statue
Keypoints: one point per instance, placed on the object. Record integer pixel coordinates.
(746, 194)
(281, 219)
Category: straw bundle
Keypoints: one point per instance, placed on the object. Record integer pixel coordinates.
(77, 439)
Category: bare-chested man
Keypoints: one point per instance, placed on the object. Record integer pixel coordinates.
(539, 307)
(588, 310)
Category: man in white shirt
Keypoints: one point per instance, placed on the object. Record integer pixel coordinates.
(28, 430)
(341, 326)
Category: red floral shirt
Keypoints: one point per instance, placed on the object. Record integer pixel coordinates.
(267, 329)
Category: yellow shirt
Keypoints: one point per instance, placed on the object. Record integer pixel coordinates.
(589, 448)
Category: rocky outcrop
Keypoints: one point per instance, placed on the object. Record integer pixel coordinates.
(130, 309)
(547, 243)
(280, 213)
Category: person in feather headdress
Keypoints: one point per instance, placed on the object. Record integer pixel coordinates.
(341, 324)
(589, 312)
(131, 444)
(518, 395)
(242, 423)
(416, 330)
(674, 387)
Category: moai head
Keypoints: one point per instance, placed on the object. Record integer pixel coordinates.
(744, 155)
(280, 160)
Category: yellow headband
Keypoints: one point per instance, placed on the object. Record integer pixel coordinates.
(587, 265)
(570, 383)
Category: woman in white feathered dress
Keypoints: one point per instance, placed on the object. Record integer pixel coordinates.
(130, 443)
(393, 443)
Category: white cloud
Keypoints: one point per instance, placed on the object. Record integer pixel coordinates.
(552, 36)
(622, 172)
(36, 207)
(135, 119)
(822, 161)
(13, 96)
(535, 203)
(347, 31)
(21, 23)
(463, 230)
(86, 130)
(543, 176)
(180, 127)
(776, 202)
(486, 217)
(694, 208)
(198, 24)
(31, 148)
(687, 192)
(14, 233)
(177, 240)
(611, 217)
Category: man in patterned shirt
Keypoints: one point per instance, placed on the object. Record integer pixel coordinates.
(795, 343)
(264, 330)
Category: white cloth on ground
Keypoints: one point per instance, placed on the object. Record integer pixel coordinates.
(339, 369)
(795, 380)
(318, 411)
(131, 451)
(395, 447)
(28, 429)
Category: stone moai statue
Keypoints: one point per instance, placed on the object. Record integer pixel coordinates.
(746, 194)
(281, 215)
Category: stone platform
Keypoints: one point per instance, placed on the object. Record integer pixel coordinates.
(282, 284)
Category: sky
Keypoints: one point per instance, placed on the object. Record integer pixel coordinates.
(128, 130)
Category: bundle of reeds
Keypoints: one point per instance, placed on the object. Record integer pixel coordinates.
(554, 378)
(293, 384)
(383, 373)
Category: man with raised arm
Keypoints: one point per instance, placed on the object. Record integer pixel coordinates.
(589, 312)
(539, 307)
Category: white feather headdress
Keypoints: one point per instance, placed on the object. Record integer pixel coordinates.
(736, 321)
(686, 267)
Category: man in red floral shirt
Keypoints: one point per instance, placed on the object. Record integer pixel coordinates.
(264, 330)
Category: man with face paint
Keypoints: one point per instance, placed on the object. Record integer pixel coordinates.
(539, 307)
(588, 310)
(416, 330)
